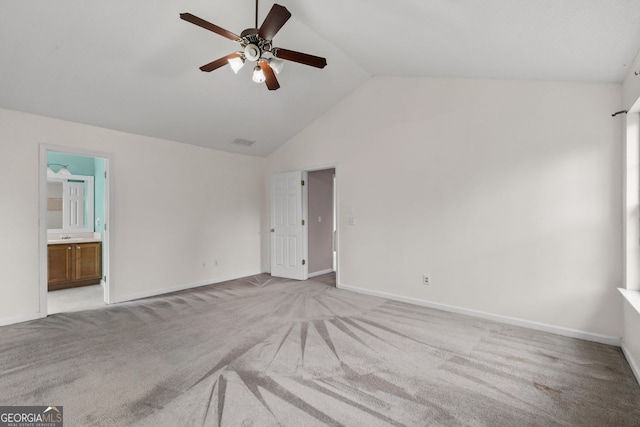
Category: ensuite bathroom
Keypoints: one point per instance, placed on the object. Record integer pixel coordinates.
(76, 206)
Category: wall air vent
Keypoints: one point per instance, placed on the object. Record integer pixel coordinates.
(243, 142)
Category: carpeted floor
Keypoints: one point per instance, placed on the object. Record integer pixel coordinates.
(262, 351)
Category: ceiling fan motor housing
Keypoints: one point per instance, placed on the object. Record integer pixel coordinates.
(254, 45)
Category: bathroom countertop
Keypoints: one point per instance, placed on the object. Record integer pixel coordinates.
(73, 240)
(78, 237)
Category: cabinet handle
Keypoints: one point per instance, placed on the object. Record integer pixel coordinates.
(78, 247)
(69, 248)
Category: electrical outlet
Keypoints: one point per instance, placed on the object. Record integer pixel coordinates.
(426, 280)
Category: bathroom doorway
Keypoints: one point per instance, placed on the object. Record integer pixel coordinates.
(74, 229)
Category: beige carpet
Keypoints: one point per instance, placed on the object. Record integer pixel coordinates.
(264, 352)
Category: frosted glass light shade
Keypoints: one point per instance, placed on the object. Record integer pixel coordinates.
(258, 74)
(236, 64)
(276, 64)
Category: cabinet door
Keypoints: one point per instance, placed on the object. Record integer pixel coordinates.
(60, 263)
(88, 261)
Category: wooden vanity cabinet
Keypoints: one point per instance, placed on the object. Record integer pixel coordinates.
(74, 264)
(59, 259)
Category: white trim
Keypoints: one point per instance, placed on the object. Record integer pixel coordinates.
(336, 211)
(567, 332)
(19, 319)
(335, 166)
(632, 363)
(107, 244)
(170, 289)
(305, 227)
(320, 273)
(321, 167)
(632, 296)
(42, 234)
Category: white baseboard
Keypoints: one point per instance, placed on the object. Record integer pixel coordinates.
(19, 319)
(168, 290)
(632, 362)
(558, 330)
(320, 273)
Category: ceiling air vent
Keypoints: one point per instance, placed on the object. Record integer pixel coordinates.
(243, 142)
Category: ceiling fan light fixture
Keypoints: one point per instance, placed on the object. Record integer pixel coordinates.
(276, 64)
(62, 171)
(255, 42)
(236, 63)
(258, 75)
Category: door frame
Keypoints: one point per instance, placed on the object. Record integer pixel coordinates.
(305, 213)
(334, 199)
(107, 243)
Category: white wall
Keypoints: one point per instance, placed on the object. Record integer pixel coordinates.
(631, 163)
(631, 331)
(176, 207)
(631, 201)
(507, 193)
(631, 85)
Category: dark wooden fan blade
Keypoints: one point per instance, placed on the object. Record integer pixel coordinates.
(276, 18)
(271, 80)
(209, 26)
(219, 62)
(302, 58)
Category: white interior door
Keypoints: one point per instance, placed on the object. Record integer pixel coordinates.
(287, 226)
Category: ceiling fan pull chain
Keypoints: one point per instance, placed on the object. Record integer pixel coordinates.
(256, 13)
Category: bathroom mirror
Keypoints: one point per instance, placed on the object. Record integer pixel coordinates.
(69, 203)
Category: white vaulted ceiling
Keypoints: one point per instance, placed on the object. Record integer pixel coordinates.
(133, 65)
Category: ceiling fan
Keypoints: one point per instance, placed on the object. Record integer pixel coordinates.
(256, 42)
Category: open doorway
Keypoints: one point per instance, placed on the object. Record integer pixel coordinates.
(321, 230)
(74, 235)
(304, 223)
